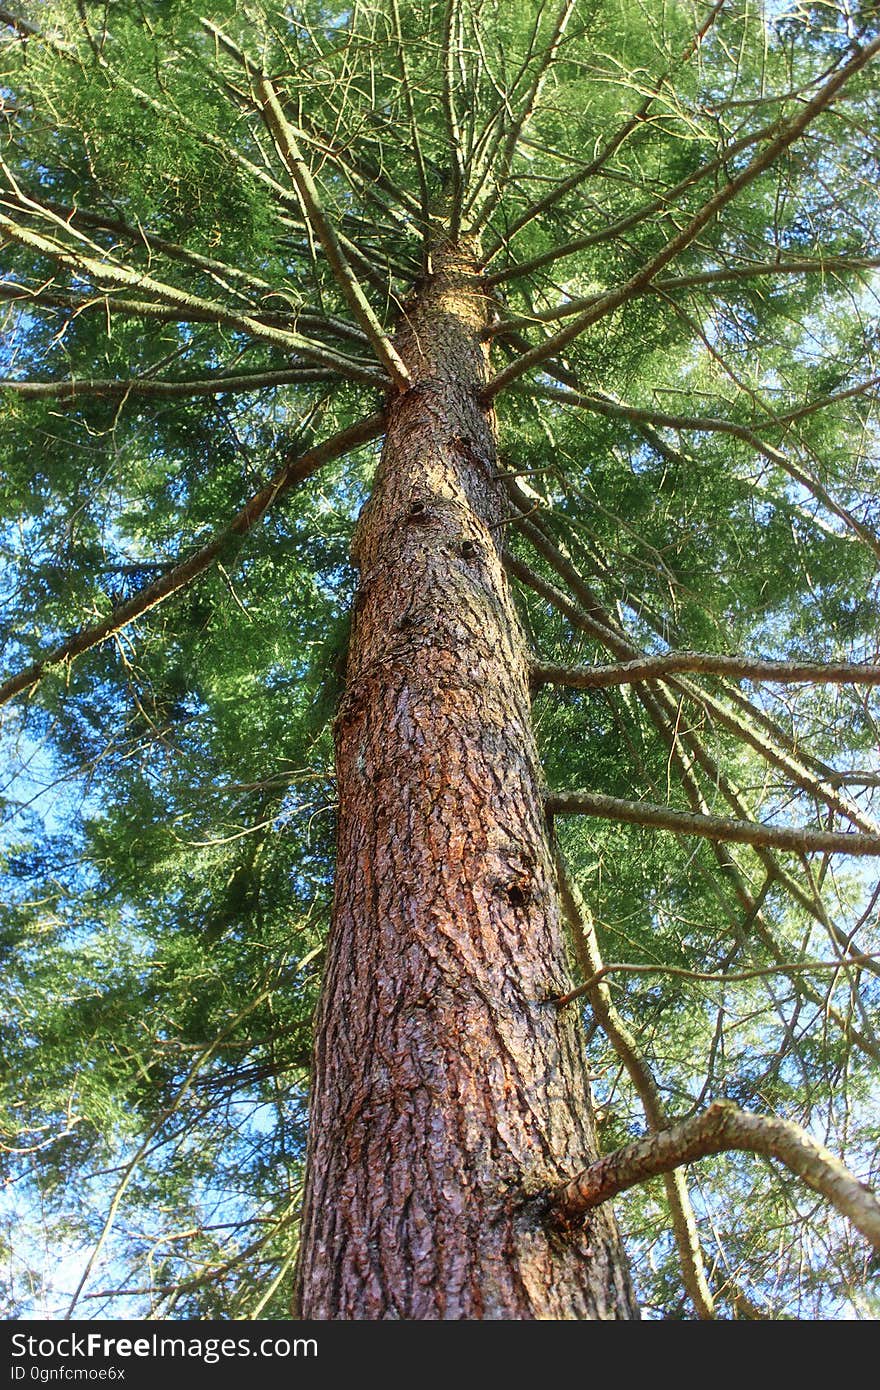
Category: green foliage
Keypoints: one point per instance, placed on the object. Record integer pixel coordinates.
(168, 845)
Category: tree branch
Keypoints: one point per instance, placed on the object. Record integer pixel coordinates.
(722, 1127)
(504, 157)
(719, 977)
(706, 663)
(605, 405)
(802, 266)
(44, 297)
(411, 115)
(610, 230)
(293, 472)
(798, 839)
(784, 757)
(114, 275)
(610, 147)
(283, 135)
(72, 391)
(450, 41)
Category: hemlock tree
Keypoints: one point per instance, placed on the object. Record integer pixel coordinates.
(538, 338)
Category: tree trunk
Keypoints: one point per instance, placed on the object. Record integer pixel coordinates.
(449, 1096)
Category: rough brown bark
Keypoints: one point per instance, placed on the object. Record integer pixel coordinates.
(449, 1096)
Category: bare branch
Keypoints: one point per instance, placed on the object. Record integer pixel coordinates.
(798, 839)
(69, 392)
(706, 663)
(44, 296)
(722, 1127)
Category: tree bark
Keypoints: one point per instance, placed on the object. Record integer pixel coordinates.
(449, 1096)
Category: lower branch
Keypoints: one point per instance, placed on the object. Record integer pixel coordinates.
(706, 663)
(799, 839)
(720, 1128)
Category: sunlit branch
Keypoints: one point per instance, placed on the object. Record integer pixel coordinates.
(299, 171)
(30, 298)
(293, 472)
(706, 663)
(284, 197)
(704, 424)
(719, 1129)
(833, 265)
(69, 218)
(222, 272)
(609, 230)
(664, 203)
(368, 175)
(798, 839)
(486, 144)
(286, 143)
